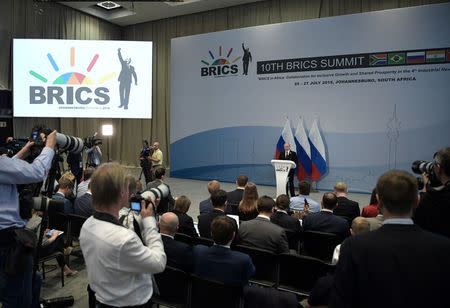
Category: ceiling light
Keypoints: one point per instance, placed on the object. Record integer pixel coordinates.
(108, 5)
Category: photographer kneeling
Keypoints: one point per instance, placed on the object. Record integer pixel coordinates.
(16, 288)
(433, 211)
(117, 261)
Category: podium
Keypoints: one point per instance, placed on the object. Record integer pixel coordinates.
(282, 168)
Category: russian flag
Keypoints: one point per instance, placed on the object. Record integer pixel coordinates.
(286, 136)
(303, 151)
(318, 159)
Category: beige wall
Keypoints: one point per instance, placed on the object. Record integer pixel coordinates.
(21, 19)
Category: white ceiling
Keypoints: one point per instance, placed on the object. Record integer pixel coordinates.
(147, 11)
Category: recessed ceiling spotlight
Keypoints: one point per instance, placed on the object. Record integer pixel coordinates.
(108, 5)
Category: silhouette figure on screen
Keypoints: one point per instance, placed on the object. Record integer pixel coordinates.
(125, 79)
(246, 59)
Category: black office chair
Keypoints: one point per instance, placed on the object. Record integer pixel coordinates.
(181, 237)
(58, 221)
(294, 239)
(320, 245)
(74, 226)
(266, 265)
(299, 273)
(203, 241)
(55, 256)
(174, 288)
(209, 293)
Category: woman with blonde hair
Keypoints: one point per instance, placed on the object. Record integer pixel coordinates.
(248, 207)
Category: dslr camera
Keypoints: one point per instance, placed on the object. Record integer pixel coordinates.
(160, 192)
(421, 166)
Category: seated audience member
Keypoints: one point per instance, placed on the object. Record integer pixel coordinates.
(165, 204)
(375, 222)
(320, 293)
(66, 186)
(235, 196)
(261, 233)
(219, 203)
(409, 266)
(372, 209)
(433, 211)
(346, 208)
(179, 254)
(83, 186)
(219, 262)
(359, 225)
(119, 264)
(83, 204)
(325, 220)
(281, 216)
(205, 206)
(51, 243)
(186, 224)
(248, 207)
(298, 202)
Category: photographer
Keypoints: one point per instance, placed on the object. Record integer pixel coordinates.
(93, 156)
(433, 211)
(146, 164)
(16, 290)
(117, 261)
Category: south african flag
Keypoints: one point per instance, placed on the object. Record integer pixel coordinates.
(396, 58)
(378, 59)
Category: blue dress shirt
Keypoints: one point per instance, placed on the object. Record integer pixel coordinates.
(16, 171)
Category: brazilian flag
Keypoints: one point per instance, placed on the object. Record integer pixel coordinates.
(396, 58)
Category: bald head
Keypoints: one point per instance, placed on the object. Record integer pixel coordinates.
(168, 224)
(287, 147)
(360, 225)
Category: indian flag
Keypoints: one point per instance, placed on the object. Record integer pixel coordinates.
(436, 56)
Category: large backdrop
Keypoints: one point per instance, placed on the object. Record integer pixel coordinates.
(378, 83)
(28, 19)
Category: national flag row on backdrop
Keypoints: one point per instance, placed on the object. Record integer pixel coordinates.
(310, 150)
(410, 57)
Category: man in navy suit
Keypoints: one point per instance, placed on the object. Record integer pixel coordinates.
(205, 206)
(219, 203)
(397, 265)
(179, 254)
(219, 262)
(83, 204)
(325, 220)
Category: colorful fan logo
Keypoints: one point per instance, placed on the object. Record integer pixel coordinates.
(72, 78)
(221, 65)
(221, 61)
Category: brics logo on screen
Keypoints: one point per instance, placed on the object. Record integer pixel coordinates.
(70, 86)
(222, 65)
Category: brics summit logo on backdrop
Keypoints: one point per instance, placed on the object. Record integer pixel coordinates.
(222, 63)
(69, 86)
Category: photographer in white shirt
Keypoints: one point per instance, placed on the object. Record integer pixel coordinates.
(119, 265)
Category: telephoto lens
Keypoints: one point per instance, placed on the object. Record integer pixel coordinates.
(69, 143)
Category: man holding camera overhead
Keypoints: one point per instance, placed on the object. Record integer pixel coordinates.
(119, 264)
(16, 289)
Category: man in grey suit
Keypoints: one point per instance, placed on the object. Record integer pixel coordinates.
(375, 222)
(261, 233)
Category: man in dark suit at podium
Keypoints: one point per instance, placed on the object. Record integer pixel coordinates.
(410, 267)
(289, 155)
